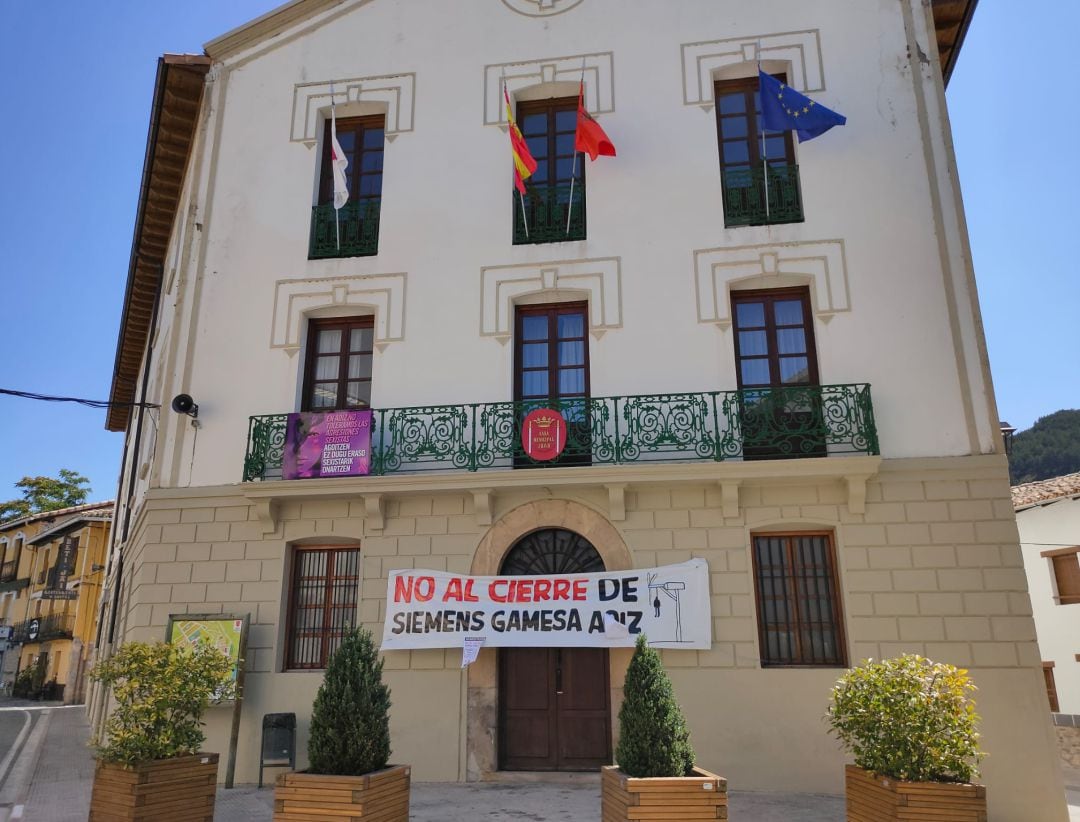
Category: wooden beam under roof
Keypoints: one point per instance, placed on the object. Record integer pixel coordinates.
(951, 21)
(173, 117)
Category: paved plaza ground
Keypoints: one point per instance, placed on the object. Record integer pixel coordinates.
(46, 771)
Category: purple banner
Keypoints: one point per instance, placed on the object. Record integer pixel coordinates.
(331, 444)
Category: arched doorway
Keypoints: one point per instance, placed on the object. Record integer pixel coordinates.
(554, 703)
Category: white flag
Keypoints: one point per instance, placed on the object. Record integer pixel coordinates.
(340, 162)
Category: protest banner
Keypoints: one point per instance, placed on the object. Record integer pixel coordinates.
(435, 609)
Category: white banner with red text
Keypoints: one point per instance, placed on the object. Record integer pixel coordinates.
(435, 609)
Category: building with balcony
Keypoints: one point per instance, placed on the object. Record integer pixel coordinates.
(50, 586)
(756, 352)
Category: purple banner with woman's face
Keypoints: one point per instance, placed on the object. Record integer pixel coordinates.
(330, 444)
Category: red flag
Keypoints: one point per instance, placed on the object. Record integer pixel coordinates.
(590, 137)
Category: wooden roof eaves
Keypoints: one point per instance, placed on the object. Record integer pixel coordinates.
(173, 115)
(957, 27)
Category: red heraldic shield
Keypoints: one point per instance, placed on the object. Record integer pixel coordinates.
(543, 434)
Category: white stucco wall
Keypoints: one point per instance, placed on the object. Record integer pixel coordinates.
(655, 215)
(1045, 528)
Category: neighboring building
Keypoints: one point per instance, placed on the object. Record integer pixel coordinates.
(1048, 516)
(50, 589)
(709, 340)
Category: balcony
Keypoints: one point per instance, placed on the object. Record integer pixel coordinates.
(745, 202)
(12, 583)
(49, 627)
(7, 570)
(714, 426)
(546, 215)
(358, 222)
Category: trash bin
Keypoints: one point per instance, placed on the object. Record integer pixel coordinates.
(278, 743)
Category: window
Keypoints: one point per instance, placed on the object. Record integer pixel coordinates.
(353, 230)
(552, 371)
(759, 188)
(777, 372)
(337, 374)
(1065, 563)
(550, 215)
(798, 600)
(1051, 687)
(322, 603)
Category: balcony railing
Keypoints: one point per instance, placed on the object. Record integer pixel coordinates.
(745, 202)
(776, 423)
(50, 626)
(14, 584)
(358, 222)
(8, 570)
(546, 215)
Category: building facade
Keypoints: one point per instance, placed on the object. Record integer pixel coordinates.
(767, 355)
(1048, 517)
(50, 591)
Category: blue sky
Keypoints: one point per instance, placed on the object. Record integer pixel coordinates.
(76, 106)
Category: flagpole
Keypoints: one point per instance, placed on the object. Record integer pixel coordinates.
(570, 205)
(337, 211)
(764, 145)
(573, 171)
(524, 219)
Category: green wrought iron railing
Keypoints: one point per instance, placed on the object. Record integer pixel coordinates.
(358, 222)
(546, 215)
(745, 202)
(775, 423)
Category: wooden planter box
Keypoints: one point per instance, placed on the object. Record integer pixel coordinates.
(181, 789)
(683, 798)
(873, 798)
(380, 796)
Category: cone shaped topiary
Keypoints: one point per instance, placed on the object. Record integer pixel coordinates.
(653, 737)
(350, 720)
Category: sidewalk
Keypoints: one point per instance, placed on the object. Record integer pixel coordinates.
(51, 777)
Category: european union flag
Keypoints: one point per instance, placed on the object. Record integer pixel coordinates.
(784, 109)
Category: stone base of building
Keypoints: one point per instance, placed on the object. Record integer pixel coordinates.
(1067, 727)
(927, 555)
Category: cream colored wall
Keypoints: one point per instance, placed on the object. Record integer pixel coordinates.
(895, 276)
(931, 566)
(1045, 528)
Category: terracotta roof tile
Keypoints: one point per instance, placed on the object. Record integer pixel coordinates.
(1032, 493)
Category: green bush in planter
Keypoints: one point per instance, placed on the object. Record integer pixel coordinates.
(653, 737)
(350, 720)
(160, 692)
(908, 718)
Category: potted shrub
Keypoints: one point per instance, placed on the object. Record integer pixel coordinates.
(349, 746)
(655, 771)
(149, 766)
(910, 725)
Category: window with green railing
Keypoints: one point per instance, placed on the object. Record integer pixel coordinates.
(352, 230)
(758, 172)
(552, 210)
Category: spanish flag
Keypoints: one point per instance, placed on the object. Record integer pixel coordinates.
(524, 164)
(590, 137)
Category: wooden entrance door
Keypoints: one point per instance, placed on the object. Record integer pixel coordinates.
(554, 703)
(555, 712)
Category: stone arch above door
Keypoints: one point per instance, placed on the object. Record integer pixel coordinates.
(504, 534)
(550, 513)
